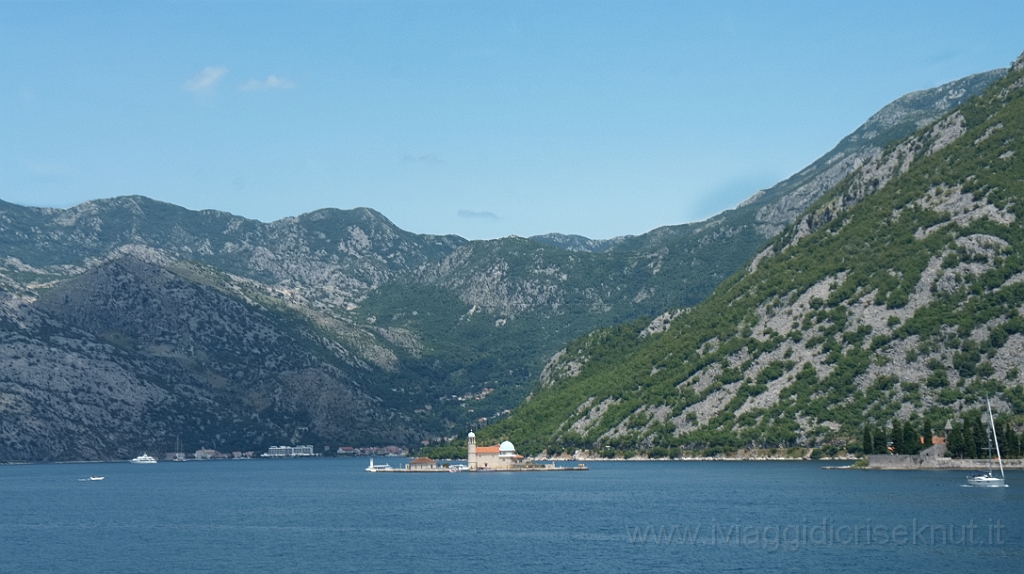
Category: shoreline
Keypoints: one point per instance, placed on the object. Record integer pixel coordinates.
(924, 461)
(545, 459)
(908, 462)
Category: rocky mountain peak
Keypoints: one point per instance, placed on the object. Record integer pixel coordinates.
(340, 323)
(897, 298)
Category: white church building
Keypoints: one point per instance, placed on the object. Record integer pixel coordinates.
(497, 457)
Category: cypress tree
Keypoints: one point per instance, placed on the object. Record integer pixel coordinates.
(957, 439)
(971, 438)
(878, 435)
(868, 441)
(896, 436)
(1007, 440)
(955, 442)
(911, 442)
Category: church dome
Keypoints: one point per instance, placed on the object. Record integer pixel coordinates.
(471, 435)
(507, 447)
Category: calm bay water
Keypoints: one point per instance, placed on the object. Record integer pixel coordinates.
(327, 515)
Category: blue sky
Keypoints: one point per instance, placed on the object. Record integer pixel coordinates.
(482, 119)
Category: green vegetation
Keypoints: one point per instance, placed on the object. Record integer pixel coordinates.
(917, 250)
(336, 326)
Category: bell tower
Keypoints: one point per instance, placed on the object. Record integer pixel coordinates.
(471, 456)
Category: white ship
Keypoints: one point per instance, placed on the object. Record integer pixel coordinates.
(143, 459)
(378, 467)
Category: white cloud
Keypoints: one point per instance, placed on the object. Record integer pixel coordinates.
(205, 80)
(271, 83)
(466, 214)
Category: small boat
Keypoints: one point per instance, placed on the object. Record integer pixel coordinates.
(178, 455)
(378, 467)
(143, 459)
(96, 477)
(986, 478)
(458, 468)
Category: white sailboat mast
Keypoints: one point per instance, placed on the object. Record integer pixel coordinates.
(995, 437)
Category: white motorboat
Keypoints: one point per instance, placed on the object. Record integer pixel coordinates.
(143, 459)
(987, 478)
(96, 477)
(378, 467)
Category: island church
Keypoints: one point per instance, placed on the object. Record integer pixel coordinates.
(498, 457)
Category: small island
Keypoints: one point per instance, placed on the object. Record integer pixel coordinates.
(496, 458)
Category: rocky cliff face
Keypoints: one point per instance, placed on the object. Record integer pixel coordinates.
(783, 203)
(325, 258)
(129, 355)
(897, 295)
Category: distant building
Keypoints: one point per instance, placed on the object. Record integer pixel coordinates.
(497, 457)
(421, 464)
(206, 454)
(289, 451)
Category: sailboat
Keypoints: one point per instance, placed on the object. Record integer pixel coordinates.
(178, 455)
(987, 479)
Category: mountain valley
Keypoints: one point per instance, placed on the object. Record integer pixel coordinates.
(128, 323)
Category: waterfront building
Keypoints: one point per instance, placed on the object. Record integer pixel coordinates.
(207, 454)
(496, 457)
(422, 464)
(289, 451)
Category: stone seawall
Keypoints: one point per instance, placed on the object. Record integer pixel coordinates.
(934, 459)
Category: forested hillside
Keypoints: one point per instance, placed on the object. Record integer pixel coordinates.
(896, 296)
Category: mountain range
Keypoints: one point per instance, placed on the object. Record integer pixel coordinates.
(895, 299)
(127, 323)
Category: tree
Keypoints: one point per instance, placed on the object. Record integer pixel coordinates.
(879, 440)
(971, 438)
(896, 436)
(955, 442)
(911, 440)
(868, 441)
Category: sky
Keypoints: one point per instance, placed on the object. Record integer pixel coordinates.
(477, 118)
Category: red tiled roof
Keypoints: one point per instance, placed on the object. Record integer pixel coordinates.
(487, 449)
